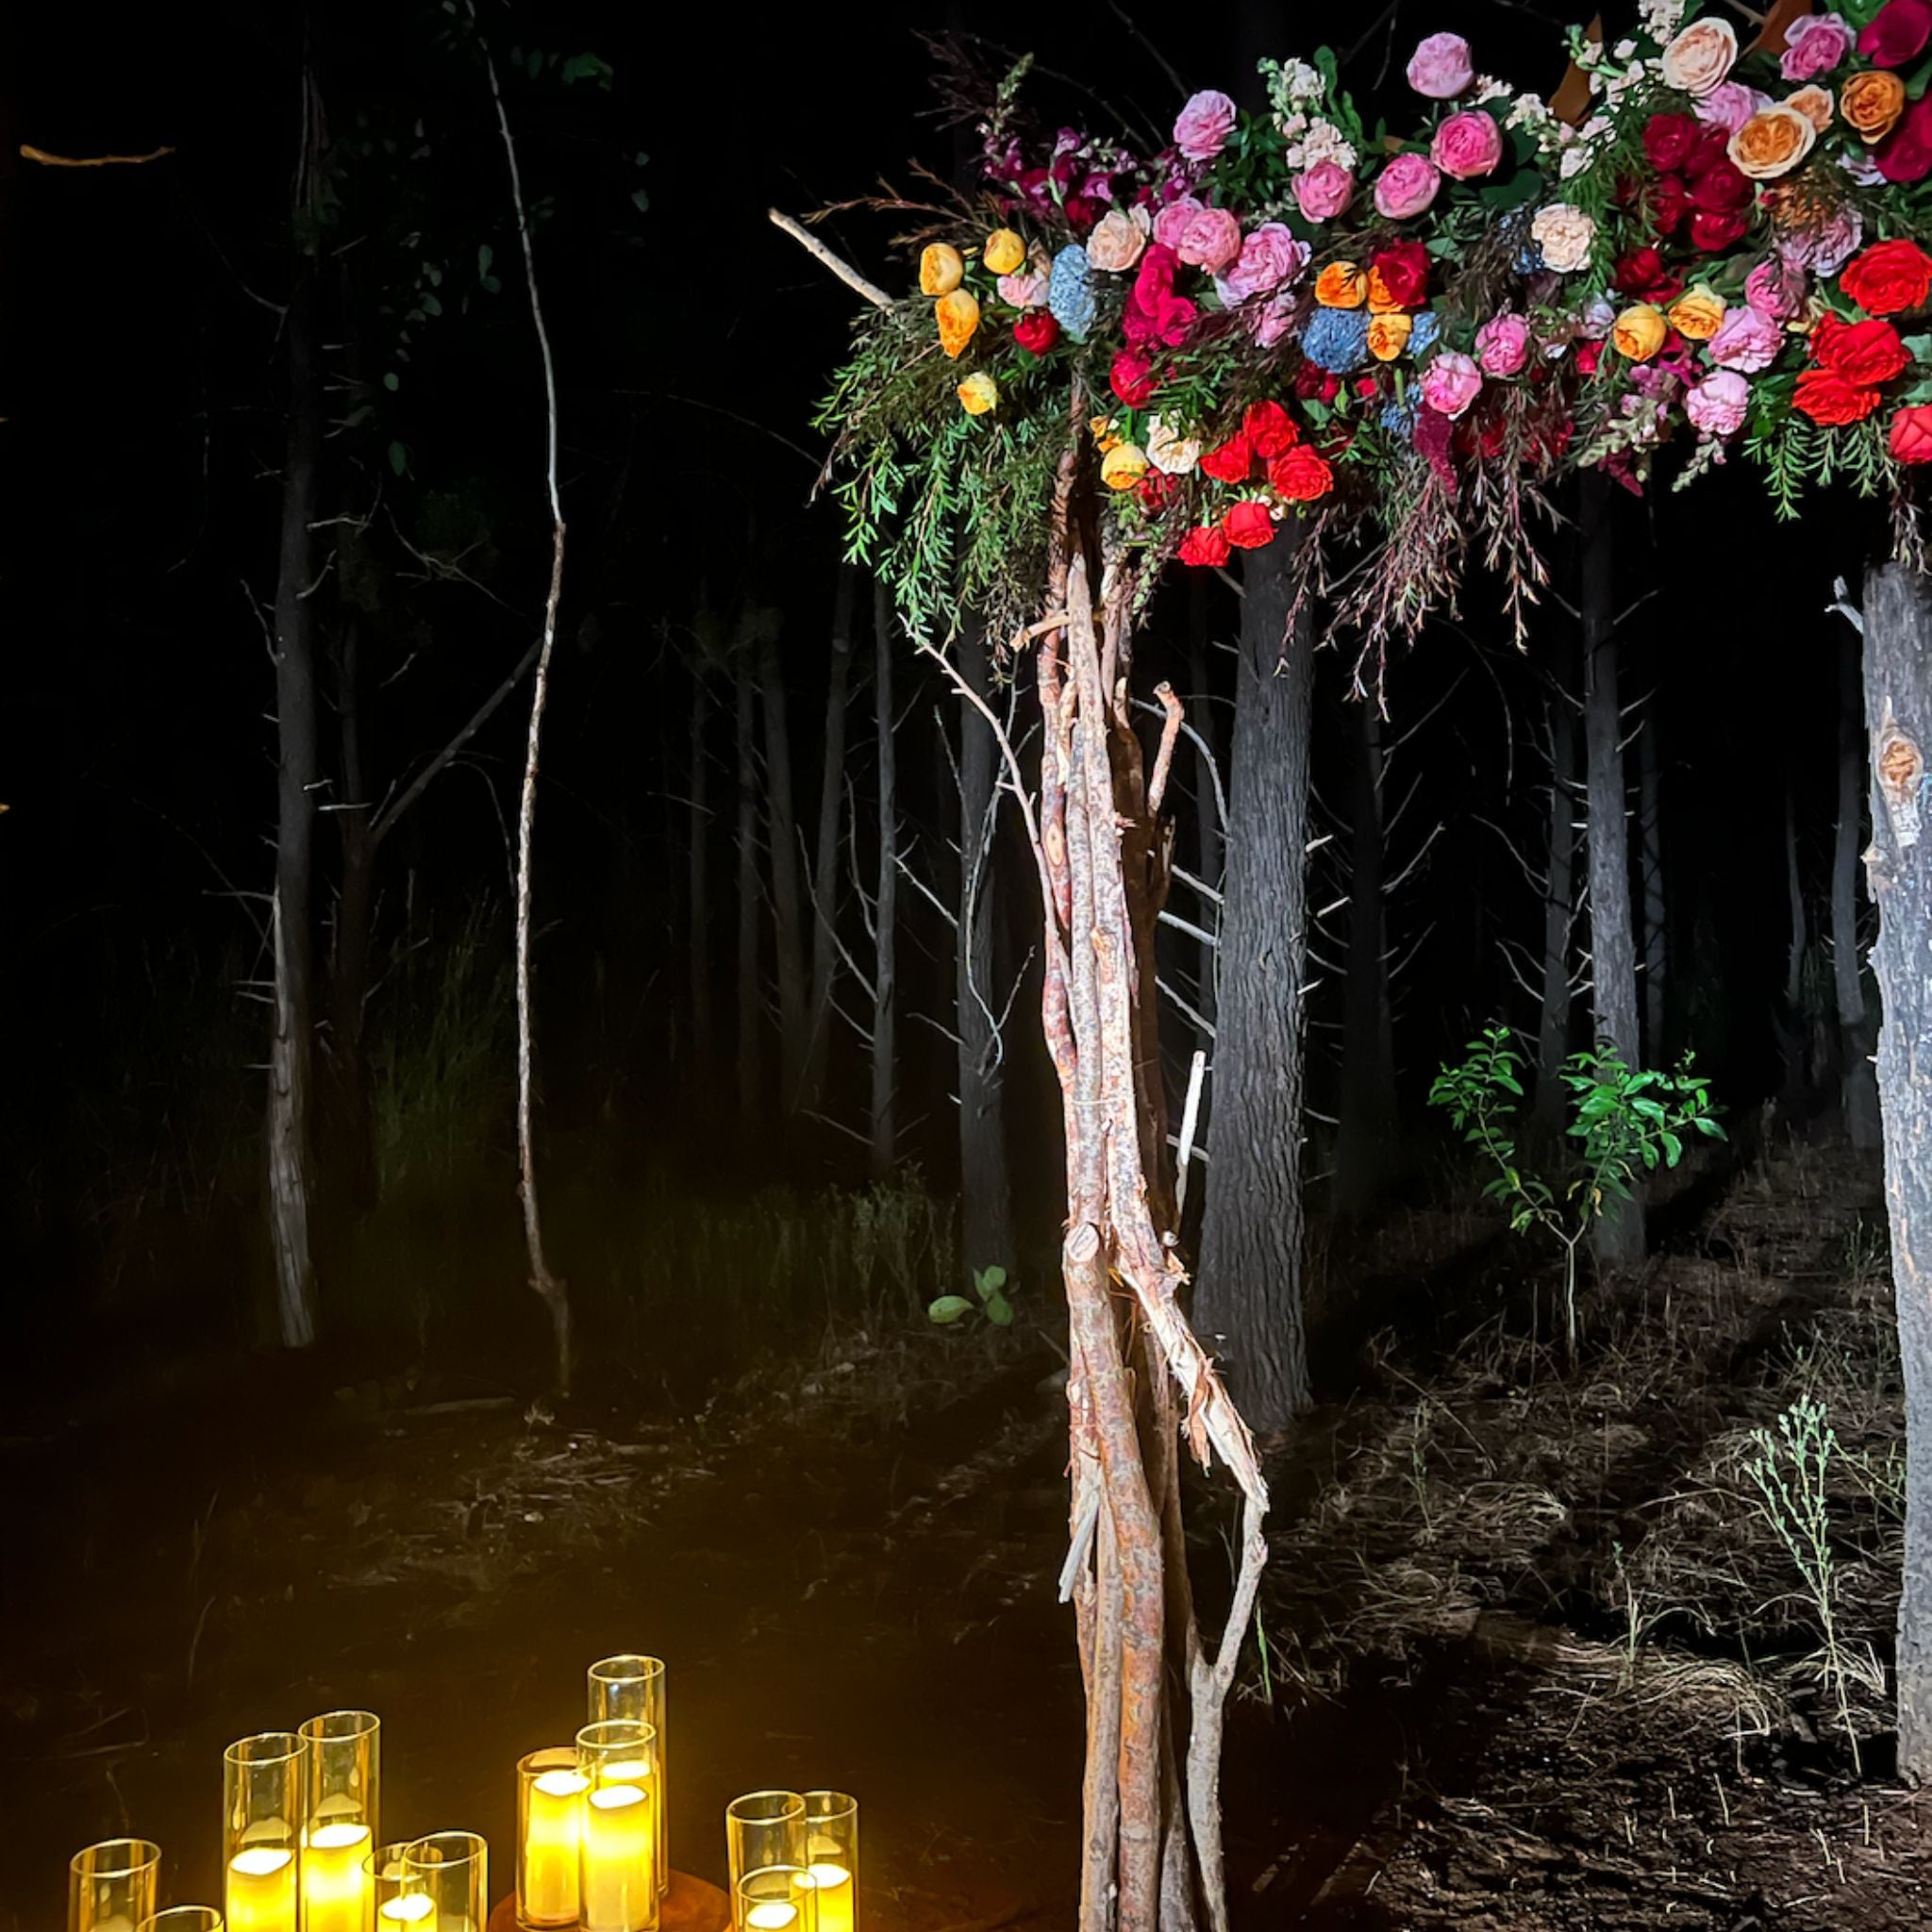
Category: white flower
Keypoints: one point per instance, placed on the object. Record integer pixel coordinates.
(1487, 89)
(1625, 50)
(1527, 110)
(1327, 143)
(1564, 235)
(1299, 81)
(1574, 162)
(1168, 450)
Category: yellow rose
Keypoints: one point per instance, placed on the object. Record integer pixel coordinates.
(1123, 466)
(1697, 314)
(1106, 434)
(1772, 143)
(1341, 285)
(958, 316)
(939, 270)
(1004, 252)
(978, 394)
(1639, 331)
(1871, 103)
(1389, 334)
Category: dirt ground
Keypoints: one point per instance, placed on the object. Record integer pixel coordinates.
(1533, 1658)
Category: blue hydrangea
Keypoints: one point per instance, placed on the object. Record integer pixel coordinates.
(1398, 415)
(1070, 291)
(1338, 339)
(1424, 334)
(1515, 228)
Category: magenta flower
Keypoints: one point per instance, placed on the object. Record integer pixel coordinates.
(1323, 191)
(1451, 383)
(1468, 146)
(1204, 123)
(1746, 340)
(1269, 257)
(1211, 239)
(1502, 344)
(1716, 407)
(1814, 44)
(1406, 187)
(1440, 67)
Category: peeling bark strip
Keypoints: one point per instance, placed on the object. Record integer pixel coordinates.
(1898, 696)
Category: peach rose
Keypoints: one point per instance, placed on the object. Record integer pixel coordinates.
(1118, 239)
(1772, 143)
(1341, 285)
(1697, 314)
(1004, 252)
(1700, 57)
(1123, 466)
(941, 270)
(958, 314)
(1389, 334)
(1871, 103)
(978, 394)
(1814, 103)
(1639, 332)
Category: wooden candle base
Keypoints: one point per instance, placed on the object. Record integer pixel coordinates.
(689, 1905)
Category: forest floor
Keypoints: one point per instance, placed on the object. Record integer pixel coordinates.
(1534, 1657)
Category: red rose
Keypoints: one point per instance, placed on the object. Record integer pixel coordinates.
(1905, 155)
(1314, 384)
(1270, 430)
(1037, 331)
(1638, 269)
(1301, 475)
(1705, 152)
(1132, 379)
(1888, 278)
(1248, 524)
(1206, 547)
(1405, 271)
(1864, 353)
(1365, 384)
(1721, 188)
(1588, 356)
(1231, 462)
(1713, 233)
(1668, 140)
(1897, 33)
(1829, 399)
(1155, 489)
(1912, 434)
(1666, 203)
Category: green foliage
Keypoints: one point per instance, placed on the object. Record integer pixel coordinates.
(990, 1284)
(1626, 1122)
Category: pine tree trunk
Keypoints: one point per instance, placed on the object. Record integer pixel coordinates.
(883, 1112)
(1365, 1145)
(1898, 709)
(986, 1188)
(787, 925)
(1559, 908)
(824, 875)
(1248, 1300)
(291, 1052)
(1619, 1239)
(698, 890)
(354, 1135)
(1656, 933)
(750, 1018)
(1857, 1079)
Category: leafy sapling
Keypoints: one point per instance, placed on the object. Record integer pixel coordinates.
(1627, 1122)
(990, 1284)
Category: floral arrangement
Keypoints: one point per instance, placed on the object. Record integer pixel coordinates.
(1277, 316)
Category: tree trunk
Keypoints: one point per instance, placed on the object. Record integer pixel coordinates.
(292, 1055)
(1249, 1298)
(1655, 936)
(882, 1114)
(354, 1135)
(1365, 1147)
(986, 1189)
(1858, 1083)
(698, 928)
(825, 875)
(1560, 910)
(1795, 1022)
(1209, 844)
(788, 925)
(1898, 709)
(750, 1017)
(1619, 1239)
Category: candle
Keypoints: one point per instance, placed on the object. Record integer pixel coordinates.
(335, 1887)
(770, 1915)
(414, 1911)
(261, 1889)
(553, 1845)
(620, 1878)
(833, 1885)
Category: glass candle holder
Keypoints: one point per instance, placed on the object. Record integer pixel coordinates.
(764, 1830)
(618, 1869)
(550, 1836)
(111, 1887)
(451, 1868)
(399, 1902)
(184, 1919)
(631, 1686)
(831, 1858)
(261, 1846)
(341, 1770)
(776, 1898)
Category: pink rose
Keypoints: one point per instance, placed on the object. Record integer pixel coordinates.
(1025, 289)
(1502, 344)
(1323, 191)
(1730, 105)
(1701, 55)
(1406, 187)
(1440, 67)
(1776, 286)
(1814, 44)
(1451, 382)
(1116, 240)
(1204, 125)
(1716, 407)
(1279, 316)
(1826, 250)
(1170, 223)
(1210, 239)
(1269, 257)
(1468, 146)
(1746, 340)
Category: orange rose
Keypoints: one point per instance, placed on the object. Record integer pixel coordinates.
(1871, 103)
(1772, 143)
(1341, 285)
(958, 319)
(978, 394)
(1814, 103)
(1697, 314)
(1639, 331)
(939, 270)
(1389, 334)
(1380, 301)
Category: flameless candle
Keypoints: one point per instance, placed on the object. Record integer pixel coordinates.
(833, 1886)
(341, 1759)
(111, 1887)
(336, 1895)
(451, 1869)
(831, 1858)
(261, 1889)
(412, 1911)
(262, 1810)
(776, 1898)
(632, 1689)
(620, 1878)
(550, 1821)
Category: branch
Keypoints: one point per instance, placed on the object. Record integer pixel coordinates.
(846, 273)
(47, 160)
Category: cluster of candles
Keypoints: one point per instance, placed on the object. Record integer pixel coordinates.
(302, 1851)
